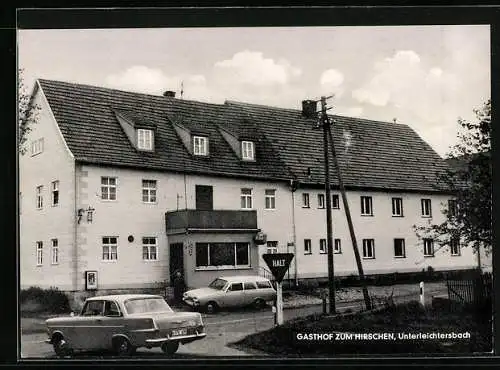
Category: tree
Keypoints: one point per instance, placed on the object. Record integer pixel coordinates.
(468, 179)
(27, 113)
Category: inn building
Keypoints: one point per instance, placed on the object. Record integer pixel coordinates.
(127, 188)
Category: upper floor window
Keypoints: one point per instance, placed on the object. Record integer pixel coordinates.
(305, 200)
(145, 139)
(428, 248)
(149, 191)
(368, 248)
(109, 248)
(39, 253)
(55, 193)
(246, 198)
(397, 207)
(455, 246)
(37, 146)
(322, 246)
(200, 145)
(270, 198)
(39, 197)
(426, 207)
(55, 251)
(366, 206)
(337, 246)
(321, 200)
(149, 249)
(108, 188)
(247, 150)
(452, 207)
(335, 201)
(307, 246)
(399, 248)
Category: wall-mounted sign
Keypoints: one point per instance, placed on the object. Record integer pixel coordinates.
(90, 280)
(260, 238)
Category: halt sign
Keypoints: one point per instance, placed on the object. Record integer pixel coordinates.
(278, 264)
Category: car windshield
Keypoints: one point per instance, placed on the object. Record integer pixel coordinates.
(218, 284)
(147, 305)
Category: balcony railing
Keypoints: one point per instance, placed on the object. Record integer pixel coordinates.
(193, 219)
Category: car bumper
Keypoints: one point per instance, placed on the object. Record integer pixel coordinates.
(191, 303)
(159, 341)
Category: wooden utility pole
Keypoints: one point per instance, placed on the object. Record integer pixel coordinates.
(368, 303)
(325, 122)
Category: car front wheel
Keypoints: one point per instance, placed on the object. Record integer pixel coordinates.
(211, 307)
(170, 347)
(61, 347)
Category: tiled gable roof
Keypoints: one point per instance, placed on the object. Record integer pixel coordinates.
(379, 155)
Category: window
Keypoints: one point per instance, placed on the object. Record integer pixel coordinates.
(307, 246)
(335, 201)
(305, 200)
(200, 145)
(366, 206)
(428, 248)
(36, 146)
(321, 200)
(145, 139)
(426, 208)
(111, 309)
(108, 188)
(322, 246)
(55, 251)
(247, 150)
(452, 208)
(455, 246)
(55, 193)
(399, 248)
(249, 286)
(39, 197)
(264, 284)
(246, 198)
(39, 253)
(272, 246)
(270, 198)
(337, 246)
(149, 249)
(149, 191)
(397, 207)
(235, 287)
(368, 248)
(227, 255)
(109, 248)
(93, 308)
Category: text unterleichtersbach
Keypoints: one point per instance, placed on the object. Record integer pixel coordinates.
(381, 336)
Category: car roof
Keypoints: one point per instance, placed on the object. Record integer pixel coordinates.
(123, 297)
(243, 278)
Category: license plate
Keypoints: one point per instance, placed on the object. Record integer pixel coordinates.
(179, 332)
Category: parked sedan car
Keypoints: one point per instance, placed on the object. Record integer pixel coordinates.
(231, 291)
(124, 323)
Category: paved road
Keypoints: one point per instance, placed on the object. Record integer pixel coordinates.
(222, 328)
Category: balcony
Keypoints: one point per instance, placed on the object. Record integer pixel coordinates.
(194, 220)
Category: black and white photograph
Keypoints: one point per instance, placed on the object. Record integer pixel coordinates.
(254, 192)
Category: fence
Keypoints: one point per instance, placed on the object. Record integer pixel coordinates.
(473, 288)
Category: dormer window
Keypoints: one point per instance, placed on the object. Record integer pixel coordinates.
(247, 151)
(144, 139)
(200, 145)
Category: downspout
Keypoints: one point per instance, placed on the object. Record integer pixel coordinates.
(293, 187)
(75, 231)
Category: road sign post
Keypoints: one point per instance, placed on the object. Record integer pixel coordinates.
(278, 263)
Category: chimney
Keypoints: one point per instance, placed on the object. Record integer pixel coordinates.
(169, 94)
(309, 108)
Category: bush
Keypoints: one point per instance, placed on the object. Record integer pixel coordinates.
(48, 300)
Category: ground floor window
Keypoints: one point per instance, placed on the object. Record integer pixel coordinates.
(368, 248)
(109, 248)
(149, 249)
(230, 255)
(272, 246)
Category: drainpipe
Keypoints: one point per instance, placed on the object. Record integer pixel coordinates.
(75, 233)
(292, 190)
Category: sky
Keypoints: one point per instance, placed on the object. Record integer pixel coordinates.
(423, 76)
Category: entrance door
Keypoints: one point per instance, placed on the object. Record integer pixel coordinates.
(204, 197)
(176, 260)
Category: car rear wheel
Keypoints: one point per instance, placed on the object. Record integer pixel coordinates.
(61, 347)
(123, 347)
(211, 307)
(170, 347)
(259, 303)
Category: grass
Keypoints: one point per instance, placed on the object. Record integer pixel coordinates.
(406, 318)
